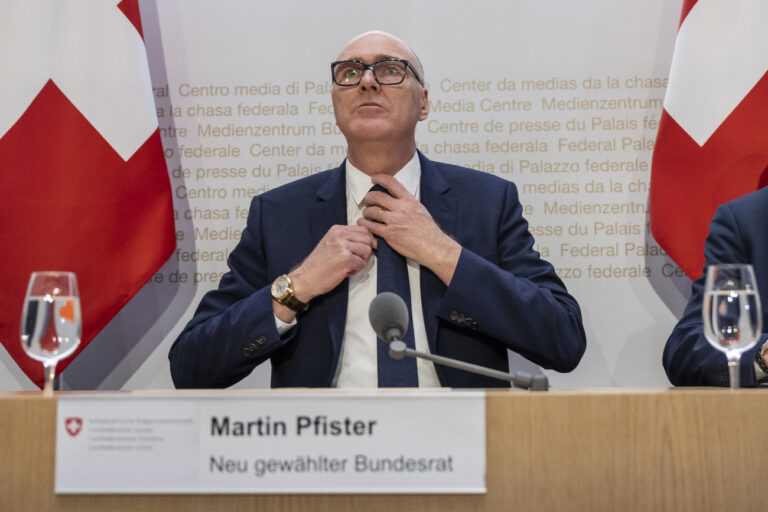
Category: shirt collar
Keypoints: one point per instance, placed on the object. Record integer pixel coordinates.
(359, 183)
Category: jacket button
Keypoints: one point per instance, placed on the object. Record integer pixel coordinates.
(455, 316)
(261, 340)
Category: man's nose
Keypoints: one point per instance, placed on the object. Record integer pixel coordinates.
(368, 80)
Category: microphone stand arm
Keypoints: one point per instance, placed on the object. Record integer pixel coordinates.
(398, 349)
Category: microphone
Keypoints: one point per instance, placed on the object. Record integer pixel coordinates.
(388, 315)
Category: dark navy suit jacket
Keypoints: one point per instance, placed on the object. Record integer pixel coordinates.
(502, 294)
(738, 233)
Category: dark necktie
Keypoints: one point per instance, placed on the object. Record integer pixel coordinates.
(392, 276)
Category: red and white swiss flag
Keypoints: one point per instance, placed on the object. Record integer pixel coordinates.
(712, 143)
(84, 183)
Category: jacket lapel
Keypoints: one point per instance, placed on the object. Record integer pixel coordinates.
(436, 196)
(331, 209)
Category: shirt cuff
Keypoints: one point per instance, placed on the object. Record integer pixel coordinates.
(283, 327)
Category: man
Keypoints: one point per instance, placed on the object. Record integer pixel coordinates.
(478, 288)
(737, 234)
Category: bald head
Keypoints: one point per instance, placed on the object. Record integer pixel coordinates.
(383, 40)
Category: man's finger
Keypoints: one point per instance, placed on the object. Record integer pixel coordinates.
(380, 199)
(362, 250)
(375, 228)
(374, 213)
(363, 236)
(351, 229)
(358, 265)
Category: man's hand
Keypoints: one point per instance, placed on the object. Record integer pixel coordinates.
(408, 228)
(342, 252)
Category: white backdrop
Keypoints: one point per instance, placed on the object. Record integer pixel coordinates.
(560, 97)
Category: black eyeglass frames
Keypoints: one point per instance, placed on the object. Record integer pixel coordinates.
(389, 71)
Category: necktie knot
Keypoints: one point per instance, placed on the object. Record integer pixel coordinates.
(379, 188)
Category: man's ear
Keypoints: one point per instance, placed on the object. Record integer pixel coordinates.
(425, 105)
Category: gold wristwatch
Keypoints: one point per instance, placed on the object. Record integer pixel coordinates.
(283, 293)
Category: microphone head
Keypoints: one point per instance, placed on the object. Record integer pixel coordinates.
(388, 315)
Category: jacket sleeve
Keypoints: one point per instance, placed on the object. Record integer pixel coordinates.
(517, 299)
(689, 359)
(233, 329)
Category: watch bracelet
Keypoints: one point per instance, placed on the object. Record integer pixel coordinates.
(295, 304)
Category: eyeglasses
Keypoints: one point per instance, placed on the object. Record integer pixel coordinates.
(348, 73)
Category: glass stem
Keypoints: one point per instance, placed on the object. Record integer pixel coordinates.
(50, 372)
(734, 364)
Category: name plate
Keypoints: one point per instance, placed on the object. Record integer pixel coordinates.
(318, 442)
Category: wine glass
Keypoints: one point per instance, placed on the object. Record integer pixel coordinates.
(732, 315)
(51, 322)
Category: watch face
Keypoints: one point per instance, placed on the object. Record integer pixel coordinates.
(279, 287)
